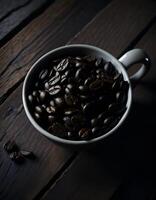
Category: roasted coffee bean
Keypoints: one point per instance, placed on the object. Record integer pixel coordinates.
(57, 129)
(27, 154)
(96, 85)
(30, 98)
(55, 90)
(42, 95)
(10, 146)
(99, 62)
(89, 80)
(55, 79)
(78, 64)
(37, 116)
(64, 80)
(62, 65)
(71, 100)
(116, 85)
(35, 93)
(51, 110)
(124, 86)
(70, 111)
(96, 130)
(83, 88)
(46, 86)
(59, 101)
(84, 97)
(80, 74)
(16, 156)
(39, 109)
(43, 74)
(108, 121)
(113, 107)
(94, 122)
(52, 103)
(51, 119)
(89, 108)
(118, 77)
(84, 133)
(109, 68)
(119, 97)
(69, 89)
(78, 58)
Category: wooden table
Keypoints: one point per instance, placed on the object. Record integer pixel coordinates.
(123, 167)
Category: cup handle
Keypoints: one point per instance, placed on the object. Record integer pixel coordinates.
(133, 57)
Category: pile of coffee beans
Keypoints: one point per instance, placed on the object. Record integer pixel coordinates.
(78, 98)
(15, 153)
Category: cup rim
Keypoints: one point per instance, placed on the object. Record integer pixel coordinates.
(75, 142)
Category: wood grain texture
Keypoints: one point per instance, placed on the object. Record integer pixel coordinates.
(15, 13)
(50, 30)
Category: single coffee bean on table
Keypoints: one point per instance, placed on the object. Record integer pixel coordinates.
(78, 98)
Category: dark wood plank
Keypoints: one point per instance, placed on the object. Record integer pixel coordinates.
(129, 152)
(15, 14)
(53, 28)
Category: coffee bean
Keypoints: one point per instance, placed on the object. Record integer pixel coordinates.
(71, 100)
(70, 111)
(35, 93)
(38, 109)
(52, 103)
(109, 68)
(43, 74)
(83, 88)
(51, 119)
(78, 58)
(42, 95)
(10, 146)
(27, 154)
(16, 156)
(108, 121)
(96, 85)
(69, 89)
(59, 101)
(78, 64)
(37, 116)
(94, 122)
(51, 110)
(80, 74)
(84, 133)
(57, 129)
(55, 79)
(55, 90)
(46, 86)
(30, 98)
(62, 65)
(124, 86)
(99, 62)
(89, 108)
(113, 107)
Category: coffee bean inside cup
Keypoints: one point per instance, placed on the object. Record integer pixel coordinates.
(78, 98)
